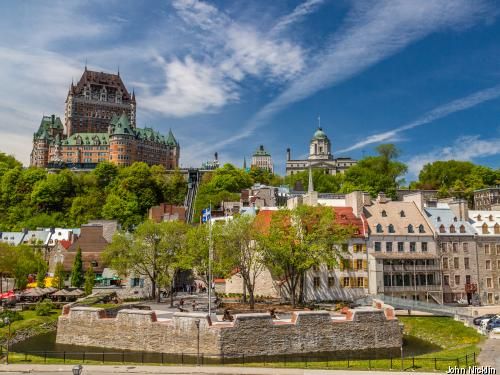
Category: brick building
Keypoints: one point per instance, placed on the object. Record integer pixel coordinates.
(100, 125)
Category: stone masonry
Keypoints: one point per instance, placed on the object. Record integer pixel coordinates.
(248, 334)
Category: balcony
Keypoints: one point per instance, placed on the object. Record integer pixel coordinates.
(410, 268)
(470, 288)
(412, 288)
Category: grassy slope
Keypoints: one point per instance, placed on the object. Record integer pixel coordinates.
(30, 320)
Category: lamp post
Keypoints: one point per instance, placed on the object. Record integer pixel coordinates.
(6, 321)
(77, 369)
(197, 322)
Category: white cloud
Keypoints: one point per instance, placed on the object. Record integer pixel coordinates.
(298, 14)
(464, 148)
(437, 113)
(372, 32)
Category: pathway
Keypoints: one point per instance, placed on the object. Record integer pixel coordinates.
(490, 353)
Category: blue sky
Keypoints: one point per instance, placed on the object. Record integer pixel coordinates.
(227, 76)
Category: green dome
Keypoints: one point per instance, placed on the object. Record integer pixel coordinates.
(319, 134)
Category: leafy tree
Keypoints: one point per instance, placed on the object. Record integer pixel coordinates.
(40, 274)
(298, 239)
(89, 280)
(44, 308)
(8, 162)
(153, 250)
(26, 262)
(7, 261)
(105, 172)
(323, 182)
(58, 279)
(77, 276)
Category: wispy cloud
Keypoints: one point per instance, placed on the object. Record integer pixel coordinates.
(297, 15)
(373, 31)
(464, 148)
(442, 111)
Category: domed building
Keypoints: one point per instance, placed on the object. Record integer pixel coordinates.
(320, 156)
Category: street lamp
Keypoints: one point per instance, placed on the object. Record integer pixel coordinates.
(6, 321)
(197, 322)
(77, 370)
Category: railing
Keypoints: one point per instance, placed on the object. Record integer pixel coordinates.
(410, 288)
(419, 306)
(402, 362)
(410, 268)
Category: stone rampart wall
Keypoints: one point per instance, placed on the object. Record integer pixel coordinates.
(249, 334)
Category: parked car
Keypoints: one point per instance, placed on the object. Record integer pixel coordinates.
(477, 321)
(493, 323)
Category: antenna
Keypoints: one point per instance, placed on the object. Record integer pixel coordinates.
(319, 121)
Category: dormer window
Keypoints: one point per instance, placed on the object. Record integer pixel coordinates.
(384, 214)
(496, 230)
(421, 229)
(379, 228)
(455, 219)
(462, 229)
(410, 229)
(490, 218)
(402, 213)
(391, 228)
(485, 228)
(438, 219)
(478, 217)
(452, 228)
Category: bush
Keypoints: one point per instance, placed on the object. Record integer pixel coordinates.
(43, 308)
(12, 315)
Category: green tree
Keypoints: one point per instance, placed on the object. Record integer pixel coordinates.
(59, 276)
(77, 276)
(106, 173)
(26, 262)
(40, 274)
(298, 239)
(89, 280)
(7, 262)
(155, 250)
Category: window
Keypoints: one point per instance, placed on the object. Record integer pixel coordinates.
(466, 263)
(94, 263)
(377, 246)
(358, 248)
(359, 264)
(441, 229)
(384, 214)
(488, 265)
(445, 263)
(485, 228)
(379, 228)
(462, 229)
(446, 279)
(487, 248)
(410, 228)
(452, 228)
(467, 279)
(401, 247)
(402, 213)
(388, 246)
(489, 282)
(455, 219)
(316, 282)
(331, 282)
(496, 228)
(455, 247)
(413, 246)
(456, 263)
(478, 217)
(490, 218)
(438, 219)
(359, 282)
(391, 228)
(346, 282)
(465, 247)
(424, 246)
(457, 279)
(444, 247)
(421, 229)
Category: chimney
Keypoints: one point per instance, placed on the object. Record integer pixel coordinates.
(288, 154)
(381, 198)
(417, 198)
(355, 201)
(460, 209)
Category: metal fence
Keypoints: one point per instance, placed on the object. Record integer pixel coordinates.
(319, 361)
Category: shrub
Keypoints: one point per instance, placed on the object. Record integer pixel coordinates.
(12, 315)
(44, 307)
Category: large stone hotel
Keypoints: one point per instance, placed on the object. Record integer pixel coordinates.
(100, 125)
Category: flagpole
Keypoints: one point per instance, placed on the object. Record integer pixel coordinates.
(210, 262)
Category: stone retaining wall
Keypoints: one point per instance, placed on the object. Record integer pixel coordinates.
(249, 334)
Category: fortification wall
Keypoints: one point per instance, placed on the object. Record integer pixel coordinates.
(249, 334)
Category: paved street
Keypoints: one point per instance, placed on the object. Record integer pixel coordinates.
(489, 355)
(98, 370)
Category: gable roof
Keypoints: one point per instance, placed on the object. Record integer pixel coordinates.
(446, 218)
(479, 218)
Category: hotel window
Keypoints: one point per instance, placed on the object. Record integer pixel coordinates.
(316, 282)
(456, 263)
(331, 282)
(424, 246)
(388, 246)
(377, 246)
(465, 247)
(466, 263)
(488, 264)
(401, 247)
(489, 282)
(413, 246)
(457, 279)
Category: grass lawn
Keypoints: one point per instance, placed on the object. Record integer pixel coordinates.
(31, 320)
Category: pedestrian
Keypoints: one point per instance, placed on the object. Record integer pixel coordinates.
(194, 305)
(181, 303)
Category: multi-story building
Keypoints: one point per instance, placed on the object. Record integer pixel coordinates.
(457, 250)
(320, 156)
(487, 227)
(100, 126)
(487, 199)
(403, 259)
(262, 159)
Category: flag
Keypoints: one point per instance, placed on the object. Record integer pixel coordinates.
(206, 215)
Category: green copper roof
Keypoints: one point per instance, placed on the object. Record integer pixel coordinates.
(319, 134)
(48, 122)
(171, 141)
(261, 152)
(121, 125)
(86, 139)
